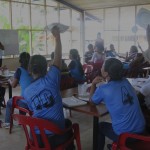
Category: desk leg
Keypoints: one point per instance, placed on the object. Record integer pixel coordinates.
(10, 91)
(95, 132)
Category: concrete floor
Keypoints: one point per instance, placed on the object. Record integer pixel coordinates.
(17, 141)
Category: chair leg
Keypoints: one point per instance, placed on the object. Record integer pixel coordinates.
(11, 121)
(4, 103)
(77, 136)
(70, 113)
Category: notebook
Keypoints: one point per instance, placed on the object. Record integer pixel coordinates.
(73, 101)
(84, 98)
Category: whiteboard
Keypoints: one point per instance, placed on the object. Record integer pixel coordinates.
(9, 38)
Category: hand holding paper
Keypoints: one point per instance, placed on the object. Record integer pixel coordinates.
(62, 28)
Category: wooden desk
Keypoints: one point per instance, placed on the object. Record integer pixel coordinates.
(95, 111)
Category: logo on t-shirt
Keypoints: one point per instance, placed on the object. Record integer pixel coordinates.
(126, 97)
(43, 100)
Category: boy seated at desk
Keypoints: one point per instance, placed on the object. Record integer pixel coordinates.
(43, 94)
(120, 100)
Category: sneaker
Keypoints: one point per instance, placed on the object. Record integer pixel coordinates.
(6, 125)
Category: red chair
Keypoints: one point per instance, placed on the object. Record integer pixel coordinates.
(15, 106)
(96, 68)
(88, 72)
(67, 82)
(30, 123)
(140, 142)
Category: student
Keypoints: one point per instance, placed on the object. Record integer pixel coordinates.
(23, 78)
(145, 91)
(88, 55)
(64, 67)
(75, 66)
(98, 56)
(2, 89)
(1, 52)
(43, 94)
(120, 100)
(132, 54)
(111, 52)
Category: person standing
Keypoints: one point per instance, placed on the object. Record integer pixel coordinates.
(2, 89)
(1, 53)
(99, 40)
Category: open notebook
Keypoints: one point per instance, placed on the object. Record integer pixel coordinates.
(73, 101)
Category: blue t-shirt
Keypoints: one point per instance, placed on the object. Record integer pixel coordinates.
(123, 106)
(76, 70)
(24, 78)
(44, 99)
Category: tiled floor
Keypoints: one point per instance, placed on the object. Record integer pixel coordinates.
(17, 141)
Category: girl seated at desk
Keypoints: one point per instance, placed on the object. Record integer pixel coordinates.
(23, 78)
(75, 66)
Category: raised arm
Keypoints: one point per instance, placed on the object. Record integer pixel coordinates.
(58, 47)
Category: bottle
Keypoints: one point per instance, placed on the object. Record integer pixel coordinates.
(85, 88)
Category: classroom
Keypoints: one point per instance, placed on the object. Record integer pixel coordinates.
(79, 71)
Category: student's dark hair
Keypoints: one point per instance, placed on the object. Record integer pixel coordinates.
(100, 47)
(134, 49)
(52, 55)
(90, 46)
(74, 53)
(38, 65)
(114, 67)
(98, 34)
(24, 59)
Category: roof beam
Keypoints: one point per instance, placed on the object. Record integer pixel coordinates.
(70, 5)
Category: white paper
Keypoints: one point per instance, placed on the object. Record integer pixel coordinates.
(73, 101)
(62, 27)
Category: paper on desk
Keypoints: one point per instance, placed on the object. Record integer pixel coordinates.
(137, 83)
(73, 101)
(62, 27)
(84, 98)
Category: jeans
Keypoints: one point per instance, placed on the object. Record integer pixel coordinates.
(21, 103)
(105, 129)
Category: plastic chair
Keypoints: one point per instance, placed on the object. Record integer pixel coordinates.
(88, 72)
(29, 122)
(15, 106)
(128, 141)
(67, 82)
